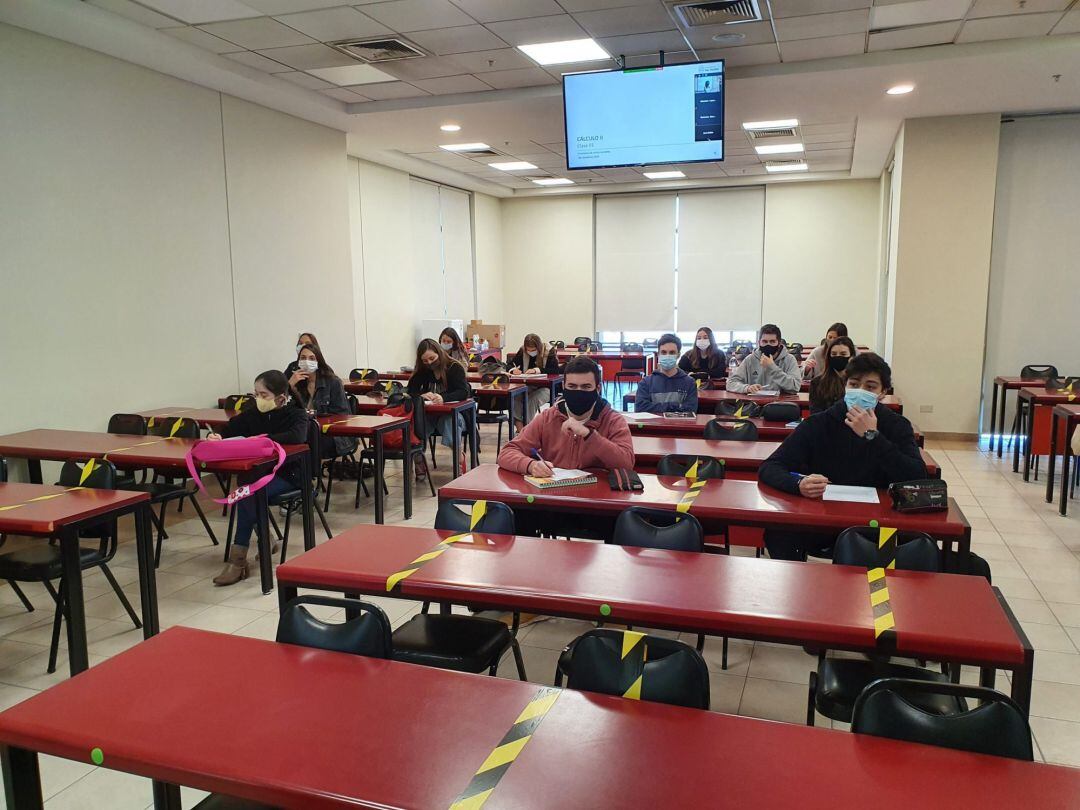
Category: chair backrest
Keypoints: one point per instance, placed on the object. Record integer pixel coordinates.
(582, 343)
(3, 470)
(494, 378)
(457, 515)
(363, 375)
(632, 348)
(736, 431)
(239, 402)
(367, 633)
(680, 465)
(595, 347)
(399, 399)
(997, 727)
(354, 404)
(1063, 383)
(658, 528)
(781, 412)
(796, 350)
(915, 551)
(176, 426)
(130, 424)
(635, 363)
(650, 344)
(557, 344)
(663, 670)
(1038, 371)
(102, 474)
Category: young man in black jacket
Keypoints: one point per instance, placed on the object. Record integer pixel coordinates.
(857, 442)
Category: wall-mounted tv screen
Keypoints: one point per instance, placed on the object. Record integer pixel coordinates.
(644, 116)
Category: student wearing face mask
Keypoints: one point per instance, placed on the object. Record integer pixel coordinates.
(451, 343)
(278, 418)
(816, 363)
(535, 357)
(438, 379)
(770, 367)
(828, 387)
(302, 340)
(668, 389)
(316, 388)
(705, 356)
(856, 442)
(579, 431)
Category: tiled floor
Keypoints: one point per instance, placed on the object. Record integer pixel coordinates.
(1034, 553)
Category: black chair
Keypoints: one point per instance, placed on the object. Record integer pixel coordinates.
(367, 455)
(783, 412)
(632, 369)
(796, 350)
(707, 467)
(668, 671)
(595, 347)
(836, 685)
(127, 424)
(490, 409)
(733, 431)
(650, 344)
(455, 515)
(3, 539)
(1036, 372)
(41, 562)
(1063, 384)
(582, 343)
(365, 631)
(557, 344)
(363, 375)
(890, 707)
(239, 402)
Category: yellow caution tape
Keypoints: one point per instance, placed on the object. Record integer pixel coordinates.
(479, 509)
(887, 547)
(633, 647)
(688, 499)
(884, 622)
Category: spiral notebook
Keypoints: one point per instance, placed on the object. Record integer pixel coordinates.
(562, 478)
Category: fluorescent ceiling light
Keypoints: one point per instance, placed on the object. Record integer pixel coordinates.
(553, 181)
(900, 90)
(779, 149)
(782, 123)
(464, 147)
(352, 74)
(512, 166)
(562, 53)
(664, 175)
(775, 168)
(450, 128)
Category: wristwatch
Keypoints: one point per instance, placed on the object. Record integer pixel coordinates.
(870, 435)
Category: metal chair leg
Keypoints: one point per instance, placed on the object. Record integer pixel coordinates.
(723, 654)
(120, 593)
(518, 660)
(202, 517)
(229, 532)
(285, 538)
(54, 646)
(811, 697)
(22, 596)
(325, 525)
(329, 484)
(273, 523)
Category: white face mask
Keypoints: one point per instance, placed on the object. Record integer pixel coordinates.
(308, 365)
(532, 352)
(299, 347)
(702, 344)
(447, 347)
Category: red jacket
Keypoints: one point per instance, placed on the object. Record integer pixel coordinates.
(609, 446)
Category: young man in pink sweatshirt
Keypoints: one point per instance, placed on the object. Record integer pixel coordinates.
(579, 431)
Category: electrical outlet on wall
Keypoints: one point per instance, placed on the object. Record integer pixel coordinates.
(926, 409)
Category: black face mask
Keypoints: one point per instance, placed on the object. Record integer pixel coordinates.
(580, 402)
(770, 351)
(838, 364)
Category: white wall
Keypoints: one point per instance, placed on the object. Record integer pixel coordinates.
(487, 229)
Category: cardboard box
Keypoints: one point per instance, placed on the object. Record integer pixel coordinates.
(494, 334)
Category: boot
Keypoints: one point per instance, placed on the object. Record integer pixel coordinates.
(236, 568)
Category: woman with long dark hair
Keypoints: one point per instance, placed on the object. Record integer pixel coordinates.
(828, 387)
(816, 363)
(705, 356)
(438, 379)
(451, 343)
(317, 389)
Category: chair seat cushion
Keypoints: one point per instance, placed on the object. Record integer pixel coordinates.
(40, 561)
(462, 643)
(841, 680)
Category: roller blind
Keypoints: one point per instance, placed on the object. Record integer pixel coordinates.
(635, 262)
(427, 250)
(721, 255)
(457, 253)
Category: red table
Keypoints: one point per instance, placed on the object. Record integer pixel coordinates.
(140, 452)
(383, 734)
(376, 428)
(206, 417)
(659, 426)
(1033, 412)
(1071, 415)
(940, 617)
(60, 512)
(1005, 384)
(719, 503)
(610, 361)
(709, 400)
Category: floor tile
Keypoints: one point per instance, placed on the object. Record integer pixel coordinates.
(1057, 701)
(774, 700)
(1050, 637)
(1032, 610)
(1057, 667)
(789, 664)
(1059, 740)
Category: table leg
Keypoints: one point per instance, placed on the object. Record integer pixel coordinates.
(511, 410)
(993, 413)
(455, 445)
(78, 658)
(166, 796)
(1053, 457)
(22, 778)
(1022, 675)
(987, 677)
(1001, 421)
(144, 546)
(1029, 440)
(474, 433)
(307, 501)
(262, 529)
(407, 468)
(1066, 474)
(1018, 421)
(380, 477)
(33, 470)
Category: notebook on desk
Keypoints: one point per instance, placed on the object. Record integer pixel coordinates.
(562, 478)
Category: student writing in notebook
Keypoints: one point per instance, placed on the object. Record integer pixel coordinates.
(856, 442)
(578, 432)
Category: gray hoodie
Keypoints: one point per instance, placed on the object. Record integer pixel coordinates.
(784, 375)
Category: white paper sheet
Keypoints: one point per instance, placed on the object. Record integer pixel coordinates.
(837, 492)
(635, 417)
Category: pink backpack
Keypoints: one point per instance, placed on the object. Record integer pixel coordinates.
(207, 452)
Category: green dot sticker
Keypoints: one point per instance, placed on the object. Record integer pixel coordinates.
(605, 610)
(873, 524)
(96, 756)
(722, 462)
(530, 498)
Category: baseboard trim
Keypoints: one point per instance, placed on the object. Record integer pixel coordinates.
(955, 437)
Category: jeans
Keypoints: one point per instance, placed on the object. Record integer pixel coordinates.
(246, 513)
(537, 397)
(445, 428)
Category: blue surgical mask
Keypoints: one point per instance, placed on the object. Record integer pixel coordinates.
(667, 361)
(858, 398)
(532, 352)
(447, 346)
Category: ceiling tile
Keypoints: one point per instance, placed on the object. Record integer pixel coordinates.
(341, 94)
(745, 55)
(1019, 25)
(1070, 23)
(388, 90)
(801, 50)
(303, 80)
(918, 12)
(452, 84)
(831, 154)
(501, 59)
(258, 34)
(636, 44)
(916, 36)
(194, 12)
(351, 74)
(798, 8)
(823, 25)
(415, 15)
(428, 67)
(617, 22)
(574, 6)
(200, 38)
(273, 7)
(757, 33)
(583, 67)
(254, 60)
(495, 10)
(304, 57)
(137, 13)
(333, 24)
(461, 39)
(539, 29)
(999, 8)
(523, 77)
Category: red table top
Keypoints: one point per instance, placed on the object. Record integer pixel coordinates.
(361, 425)
(207, 417)
(715, 396)
(531, 380)
(1040, 396)
(56, 506)
(122, 450)
(1069, 412)
(729, 501)
(428, 730)
(937, 615)
(1015, 382)
(446, 407)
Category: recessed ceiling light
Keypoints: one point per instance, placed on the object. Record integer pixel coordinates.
(561, 53)
(787, 166)
(512, 166)
(464, 147)
(553, 181)
(779, 149)
(664, 175)
(779, 124)
(450, 128)
(900, 89)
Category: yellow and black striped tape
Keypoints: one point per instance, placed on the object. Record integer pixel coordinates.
(692, 492)
(884, 621)
(329, 425)
(633, 657)
(887, 547)
(479, 509)
(498, 762)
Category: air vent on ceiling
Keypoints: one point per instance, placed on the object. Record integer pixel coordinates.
(480, 153)
(378, 50)
(765, 134)
(721, 12)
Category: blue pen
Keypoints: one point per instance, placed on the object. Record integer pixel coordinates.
(797, 476)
